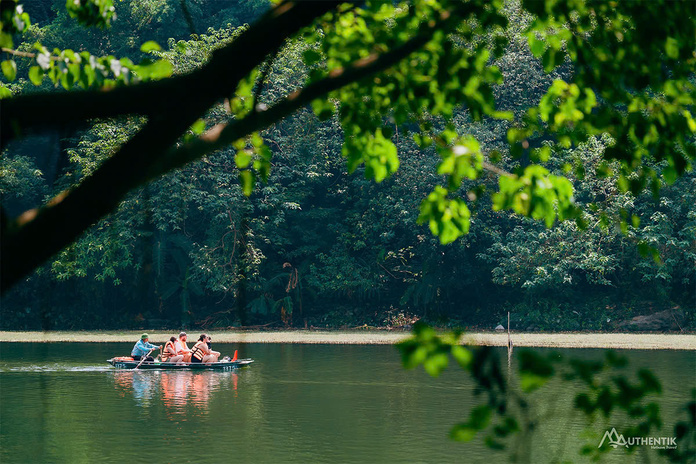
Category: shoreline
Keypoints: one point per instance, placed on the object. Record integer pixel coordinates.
(537, 340)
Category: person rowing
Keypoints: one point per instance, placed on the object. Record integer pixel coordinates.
(143, 348)
(201, 351)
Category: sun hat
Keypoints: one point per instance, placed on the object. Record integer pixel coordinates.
(144, 336)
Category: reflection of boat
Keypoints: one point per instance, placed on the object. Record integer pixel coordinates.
(129, 363)
(178, 391)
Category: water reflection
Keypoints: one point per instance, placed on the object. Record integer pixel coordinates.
(176, 390)
(298, 404)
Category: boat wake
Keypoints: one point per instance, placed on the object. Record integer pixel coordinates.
(55, 367)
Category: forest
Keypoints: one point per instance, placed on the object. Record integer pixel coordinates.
(290, 229)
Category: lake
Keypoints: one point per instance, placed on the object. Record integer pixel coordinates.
(61, 402)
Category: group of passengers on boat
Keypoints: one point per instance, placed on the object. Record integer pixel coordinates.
(176, 351)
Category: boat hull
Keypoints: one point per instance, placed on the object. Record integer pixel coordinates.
(217, 366)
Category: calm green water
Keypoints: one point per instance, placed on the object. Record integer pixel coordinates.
(61, 403)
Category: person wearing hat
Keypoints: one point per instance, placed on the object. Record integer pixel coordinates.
(142, 348)
(181, 347)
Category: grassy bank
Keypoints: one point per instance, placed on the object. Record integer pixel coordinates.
(550, 340)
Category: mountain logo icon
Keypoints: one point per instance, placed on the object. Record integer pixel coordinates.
(615, 439)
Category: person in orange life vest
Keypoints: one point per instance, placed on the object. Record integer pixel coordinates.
(181, 347)
(142, 348)
(201, 352)
(169, 352)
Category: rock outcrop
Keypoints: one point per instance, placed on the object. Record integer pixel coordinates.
(669, 319)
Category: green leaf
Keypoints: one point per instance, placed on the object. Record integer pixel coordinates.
(435, 364)
(530, 382)
(463, 432)
(198, 127)
(650, 383)
(35, 75)
(323, 108)
(536, 46)
(535, 370)
(9, 69)
(239, 144)
(247, 180)
(6, 40)
(150, 46)
(242, 159)
(4, 92)
(159, 69)
(672, 48)
(670, 174)
(256, 140)
(377, 152)
(311, 56)
(462, 355)
(479, 418)
(448, 218)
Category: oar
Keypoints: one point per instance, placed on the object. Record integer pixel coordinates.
(144, 358)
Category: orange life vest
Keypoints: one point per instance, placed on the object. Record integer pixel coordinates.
(197, 350)
(165, 354)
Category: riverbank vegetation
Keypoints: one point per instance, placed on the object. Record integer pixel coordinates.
(320, 243)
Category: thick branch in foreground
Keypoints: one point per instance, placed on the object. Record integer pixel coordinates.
(37, 234)
(222, 135)
(217, 79)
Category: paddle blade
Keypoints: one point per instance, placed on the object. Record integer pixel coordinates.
(235, 356)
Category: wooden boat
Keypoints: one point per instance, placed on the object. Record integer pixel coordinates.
(129, 363)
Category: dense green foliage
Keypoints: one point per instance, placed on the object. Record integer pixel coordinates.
(475, 126)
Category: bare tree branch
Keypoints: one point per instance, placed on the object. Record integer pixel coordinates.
(25, 54)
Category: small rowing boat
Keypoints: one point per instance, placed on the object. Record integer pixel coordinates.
(130, 363)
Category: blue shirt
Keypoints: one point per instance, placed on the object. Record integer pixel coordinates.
(141, 348)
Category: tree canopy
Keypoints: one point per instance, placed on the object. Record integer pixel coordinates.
(464, 110)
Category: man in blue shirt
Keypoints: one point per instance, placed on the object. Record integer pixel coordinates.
(142, 348)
